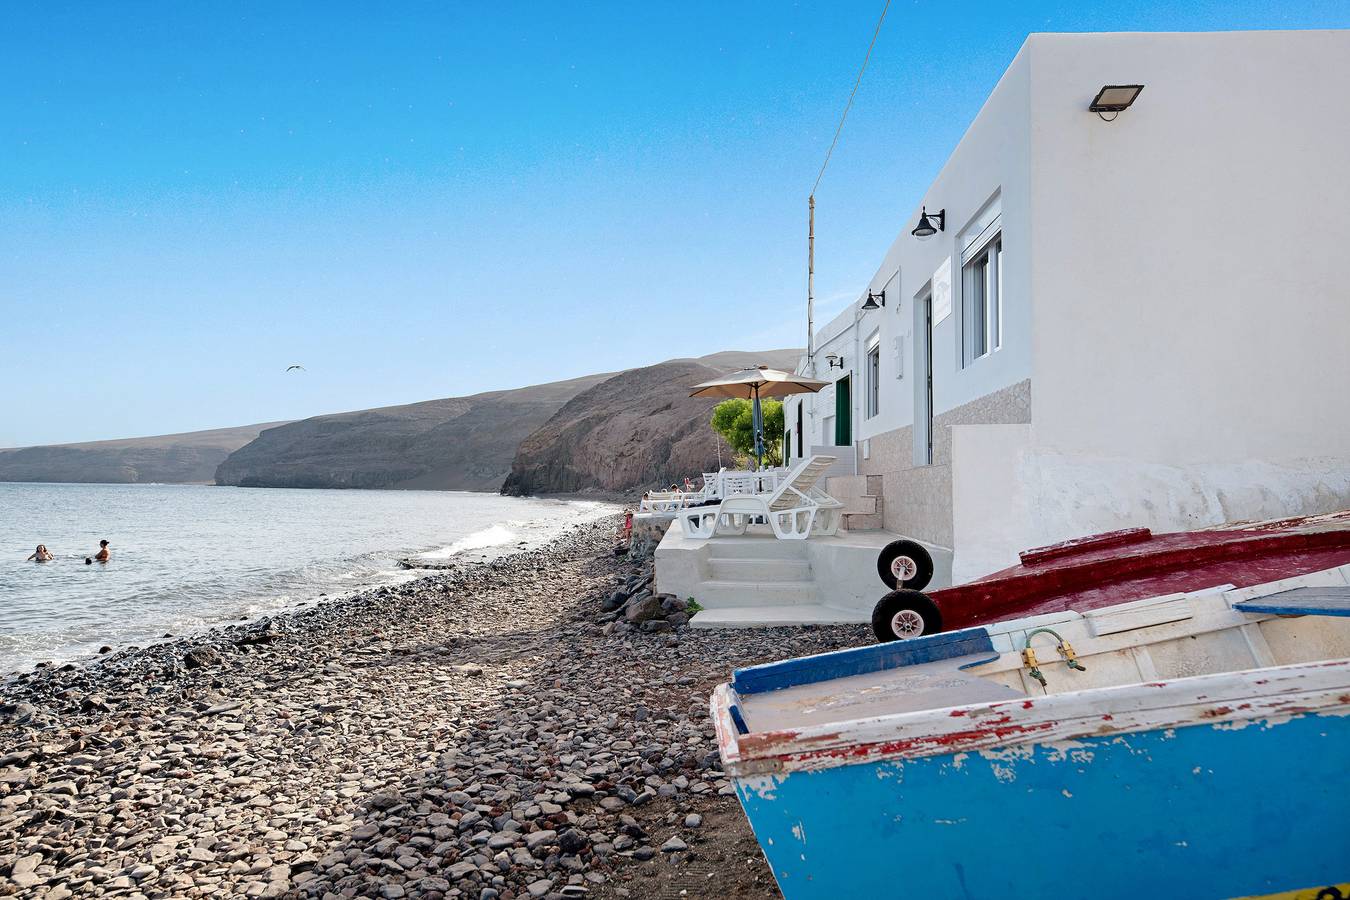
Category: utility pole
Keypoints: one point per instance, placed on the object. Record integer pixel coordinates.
(811, 286)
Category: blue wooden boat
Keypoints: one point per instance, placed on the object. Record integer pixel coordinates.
(1192, 745)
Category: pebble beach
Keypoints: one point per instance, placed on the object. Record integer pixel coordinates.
(533, 726)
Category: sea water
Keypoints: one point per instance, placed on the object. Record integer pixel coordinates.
(185, 557)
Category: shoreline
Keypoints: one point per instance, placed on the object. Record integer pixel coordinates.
(400, 570)
(488, 732)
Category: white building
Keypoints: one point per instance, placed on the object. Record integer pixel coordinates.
(1143, 321)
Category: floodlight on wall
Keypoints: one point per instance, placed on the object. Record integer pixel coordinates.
(930, 225)
(872, 298)
(835, 361)
(1113, 98)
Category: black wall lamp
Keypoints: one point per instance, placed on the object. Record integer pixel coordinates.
(872, 298)
(1113, 98)
(836, 362)
(927, 227)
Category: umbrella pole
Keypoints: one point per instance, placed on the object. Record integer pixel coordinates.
(757, 424)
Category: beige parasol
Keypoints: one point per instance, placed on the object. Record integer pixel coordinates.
(752, 384)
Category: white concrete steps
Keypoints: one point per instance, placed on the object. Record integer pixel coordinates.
(716, 594)
(757, 571)
(755, 547)
(776, 616)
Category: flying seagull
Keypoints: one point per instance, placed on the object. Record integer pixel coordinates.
(301, 368)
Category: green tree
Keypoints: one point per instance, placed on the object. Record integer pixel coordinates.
(734, 421)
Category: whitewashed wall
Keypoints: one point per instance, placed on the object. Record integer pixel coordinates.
(1191, 260)
(1192, 302)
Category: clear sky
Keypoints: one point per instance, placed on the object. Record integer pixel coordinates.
(425, 200)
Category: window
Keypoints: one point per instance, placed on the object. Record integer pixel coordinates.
(982, 300)
(873, 369)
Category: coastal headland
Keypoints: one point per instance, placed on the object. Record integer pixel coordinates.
(533, 726)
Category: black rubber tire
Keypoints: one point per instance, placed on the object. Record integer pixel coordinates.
(923, 562)
(902, 599)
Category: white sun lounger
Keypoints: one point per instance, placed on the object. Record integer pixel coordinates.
(796, 509)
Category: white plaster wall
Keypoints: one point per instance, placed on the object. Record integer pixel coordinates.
(1068, 496)
(991, 519)
(991, 159)
(1192, 303)
(838, 336)
(1190, 261)
(1011, 496)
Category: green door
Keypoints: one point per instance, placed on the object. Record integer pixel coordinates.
(843, 413)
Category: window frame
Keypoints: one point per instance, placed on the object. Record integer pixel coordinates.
(982, 295)
(872, 366)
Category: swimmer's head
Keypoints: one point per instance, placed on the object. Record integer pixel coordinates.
(88, 560)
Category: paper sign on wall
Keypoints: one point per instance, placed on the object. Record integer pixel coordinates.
(942, 291)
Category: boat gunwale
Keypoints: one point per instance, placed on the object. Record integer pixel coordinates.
(1024, 584)
(1216, 699)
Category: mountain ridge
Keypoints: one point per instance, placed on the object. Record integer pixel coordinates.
(608, 433)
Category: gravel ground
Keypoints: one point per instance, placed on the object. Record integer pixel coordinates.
(532, 727)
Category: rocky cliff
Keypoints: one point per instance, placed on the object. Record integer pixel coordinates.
(168, 458)
(459, 443)
(636, 430)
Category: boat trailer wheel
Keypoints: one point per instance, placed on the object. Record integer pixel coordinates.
(903, 614)
(905, 564)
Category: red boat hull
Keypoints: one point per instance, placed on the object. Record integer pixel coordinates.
(1120, 566)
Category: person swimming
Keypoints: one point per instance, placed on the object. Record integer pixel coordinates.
(102, 555)
(41, 554)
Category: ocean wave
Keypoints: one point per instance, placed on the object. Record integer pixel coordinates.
(492, 536)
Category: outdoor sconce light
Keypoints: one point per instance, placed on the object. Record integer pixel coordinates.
(836, 362)
(872, 299)
(927, 227)
(1113, 98)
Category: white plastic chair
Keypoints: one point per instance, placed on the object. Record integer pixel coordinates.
(796, 509)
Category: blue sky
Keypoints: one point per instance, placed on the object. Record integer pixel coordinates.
(427, 200)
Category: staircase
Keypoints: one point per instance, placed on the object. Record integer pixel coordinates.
(864, 505)
(755, 580)
(757, 573)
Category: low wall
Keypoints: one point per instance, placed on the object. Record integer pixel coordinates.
(1009, 496)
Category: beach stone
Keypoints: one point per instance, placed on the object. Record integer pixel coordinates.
(460, 870)
(572, 841)
(538, 839)
(200, 658)
(642, 610)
